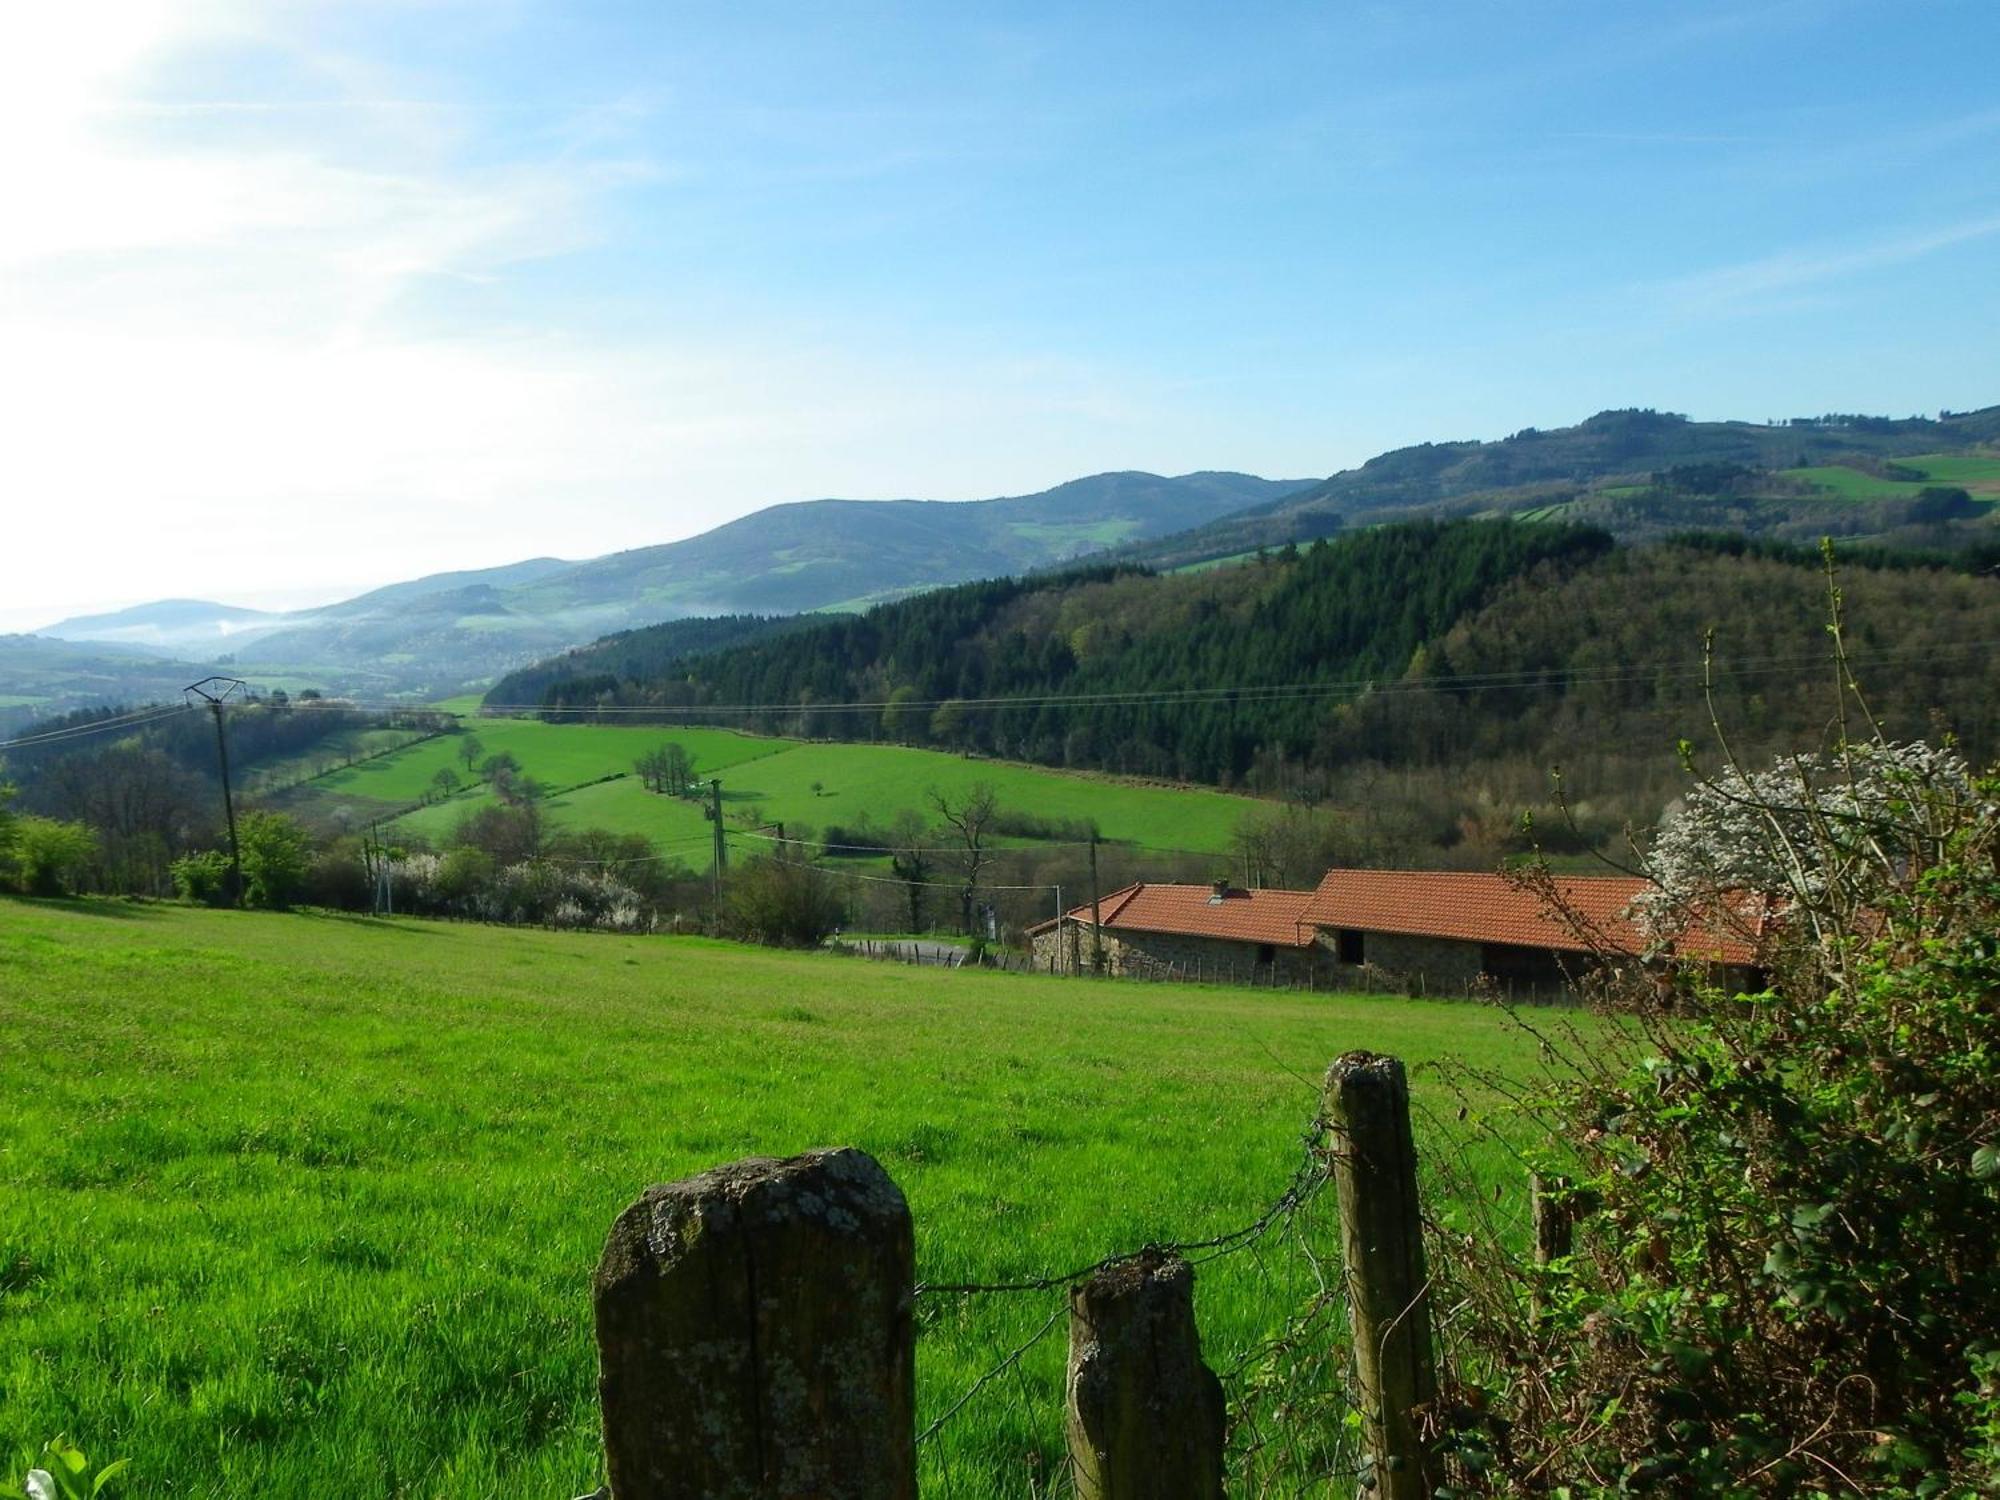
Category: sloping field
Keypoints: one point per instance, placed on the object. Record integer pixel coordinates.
(776, 776)
(558, 754)
(305, 1205)
(1978, 476)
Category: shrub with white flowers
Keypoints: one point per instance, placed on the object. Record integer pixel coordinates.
(1811, 832)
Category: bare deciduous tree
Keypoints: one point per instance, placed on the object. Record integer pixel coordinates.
(969, 817)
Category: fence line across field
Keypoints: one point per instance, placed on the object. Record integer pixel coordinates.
(756, 1330)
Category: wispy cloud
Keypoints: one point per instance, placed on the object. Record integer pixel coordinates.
(1746, 284)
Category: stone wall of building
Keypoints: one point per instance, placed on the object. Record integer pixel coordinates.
(1432, 963)
(1154, 955)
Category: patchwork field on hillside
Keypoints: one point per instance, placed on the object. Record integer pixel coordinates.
(307, 1205)
(800, 784)
(1978, 476)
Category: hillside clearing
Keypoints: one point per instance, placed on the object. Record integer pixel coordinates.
(307, 1205)
(1979, 476)
(855, 782)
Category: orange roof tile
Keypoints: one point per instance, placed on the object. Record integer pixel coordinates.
(1476, 907)
(1484, 908)
(1275, 917)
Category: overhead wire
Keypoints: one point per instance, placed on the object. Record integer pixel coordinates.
(136, 719)
(1525, 679)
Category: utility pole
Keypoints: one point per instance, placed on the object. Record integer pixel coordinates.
(1096, 922)
(216, 691)
(721, 848)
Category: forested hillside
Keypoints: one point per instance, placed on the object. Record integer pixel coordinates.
(1458, 660)
(1643, 473)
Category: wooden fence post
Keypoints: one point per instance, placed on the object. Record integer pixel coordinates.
(754, 1335)
(1388, 1293)
(1145, 1415)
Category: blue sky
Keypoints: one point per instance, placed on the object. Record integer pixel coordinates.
(305, 298)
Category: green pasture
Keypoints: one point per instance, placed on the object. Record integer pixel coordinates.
(307, 1205)
(1214, 562)
(554, 754)
(284, 770)
(878, 780)
(776, 777)
(1978, 476)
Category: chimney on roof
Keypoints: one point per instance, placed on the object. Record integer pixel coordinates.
(1218, 890)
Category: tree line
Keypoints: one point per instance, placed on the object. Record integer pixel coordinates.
(1442, 669)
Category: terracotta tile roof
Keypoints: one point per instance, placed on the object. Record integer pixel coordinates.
(1485, 908)
(1475, 907)
(1275, 917)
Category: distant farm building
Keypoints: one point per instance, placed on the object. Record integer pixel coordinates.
(1424, 931)
(1185, 931)
(1450, 931)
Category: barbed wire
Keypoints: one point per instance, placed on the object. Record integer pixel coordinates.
(1007, 1363)
(1308, 1180)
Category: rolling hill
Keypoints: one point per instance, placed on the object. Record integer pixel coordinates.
(1639, 473)
(1428, 670)
(435, 633)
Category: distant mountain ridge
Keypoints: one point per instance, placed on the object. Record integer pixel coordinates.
(181, 622)
(1575, 473)
(436, 633)
(1911, 484)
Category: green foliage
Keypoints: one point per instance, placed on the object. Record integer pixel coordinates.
(465, 873)
(1358, 608)
(277, 853)
(509, 832)
(8, 792)
(782, 902)
(202, 877)
(47, 857)
(1792, 1266)
(62, 1472)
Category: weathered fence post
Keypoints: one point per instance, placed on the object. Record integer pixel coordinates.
(1388, 1293)
(1145, 1415)
(1555, 1231)
(754, 1335)
(1555, 1218)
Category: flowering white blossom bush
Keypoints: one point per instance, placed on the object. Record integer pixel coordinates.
(1804, 832)
(532, 893)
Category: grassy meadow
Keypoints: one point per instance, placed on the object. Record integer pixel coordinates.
(303, 1205)
(774, 776)
(1978, 476)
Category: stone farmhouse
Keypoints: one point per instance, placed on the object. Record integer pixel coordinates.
(1157, 931)
(1424, 931)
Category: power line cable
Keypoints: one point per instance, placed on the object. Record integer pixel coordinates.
(138, 718)
(1524, 679)
(940, 885)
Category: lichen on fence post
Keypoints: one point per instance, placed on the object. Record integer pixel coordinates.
(1388, 1288)
(755, 1335)
(1145, 1415)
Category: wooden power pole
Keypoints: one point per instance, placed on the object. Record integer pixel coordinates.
(1096, 924)
(721, 847)
(216, 691)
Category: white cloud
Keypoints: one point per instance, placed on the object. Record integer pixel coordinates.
(1732, 288)
(222, 374)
